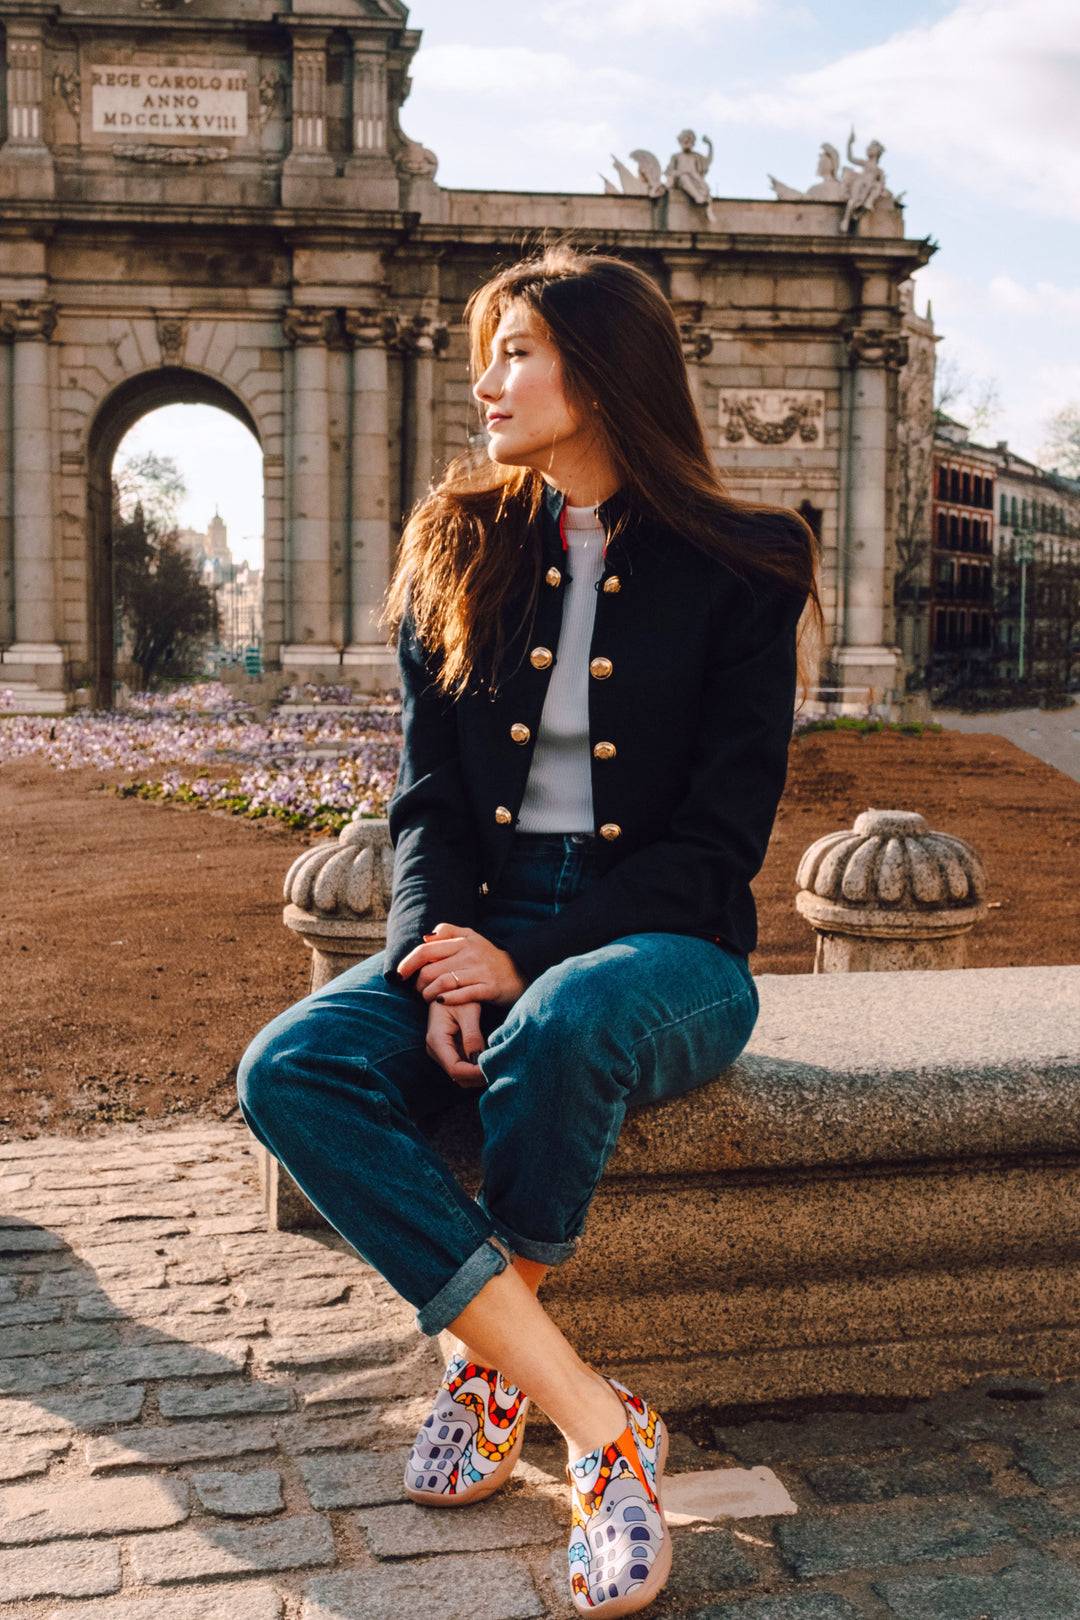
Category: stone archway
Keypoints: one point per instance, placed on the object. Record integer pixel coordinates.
(127, 404)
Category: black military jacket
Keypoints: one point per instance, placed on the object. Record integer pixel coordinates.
(690, 714)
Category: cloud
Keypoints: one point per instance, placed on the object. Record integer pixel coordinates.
(519, 74)
(599, 19)
(1045, 301)
(987, 92)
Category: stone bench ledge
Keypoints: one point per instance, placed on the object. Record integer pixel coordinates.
(860, 1068)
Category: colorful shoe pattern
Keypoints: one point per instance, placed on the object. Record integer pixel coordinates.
(467, 1448)
(620, 1548)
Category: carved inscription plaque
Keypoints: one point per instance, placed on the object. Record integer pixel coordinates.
(175, 102)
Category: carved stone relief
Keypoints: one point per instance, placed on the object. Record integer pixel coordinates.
(172, 338)
(67, 85)
(772, 416)
(183, 156)
(271, 98)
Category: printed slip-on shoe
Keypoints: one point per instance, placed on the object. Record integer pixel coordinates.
(467, 1448)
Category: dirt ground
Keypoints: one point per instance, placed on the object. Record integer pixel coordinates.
(144, 945)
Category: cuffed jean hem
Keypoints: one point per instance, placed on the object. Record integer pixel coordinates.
(483, 1264)
(543, 1254)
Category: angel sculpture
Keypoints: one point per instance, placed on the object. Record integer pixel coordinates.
(648, 182)
(866, 187)
(687, 169)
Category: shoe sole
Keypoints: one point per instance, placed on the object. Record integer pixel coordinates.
(662, 1564)
(483, 1488)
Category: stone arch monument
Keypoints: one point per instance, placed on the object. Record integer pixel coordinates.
(215, 201)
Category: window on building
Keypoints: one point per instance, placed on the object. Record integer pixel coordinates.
(965, 488)
(943, 483)
(942, 529)
(1015, 520)
(954, 531)
(1004, 508)
(954, 484)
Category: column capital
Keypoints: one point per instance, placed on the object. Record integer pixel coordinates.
(697, 342)
(421, 334)
(25, 318)
(308, 324)
(371, 328)
(875, 346)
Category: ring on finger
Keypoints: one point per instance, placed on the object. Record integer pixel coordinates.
(455, 978)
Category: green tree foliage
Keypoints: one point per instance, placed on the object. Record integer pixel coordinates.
(167, 610)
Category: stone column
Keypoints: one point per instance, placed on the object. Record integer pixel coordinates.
(308, 160)
(864, 655)
(25, 160)
(309, 330)
(422, 340)
(371, 545)
(35, 653)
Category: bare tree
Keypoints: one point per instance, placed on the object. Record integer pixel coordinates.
(976, 396)
(1062, 449)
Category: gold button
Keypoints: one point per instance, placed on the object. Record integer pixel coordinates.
(540, 657)
(604, 750)
(553, 576)
(612, 585)
(600, 668)
(520, 733)
(483, 888)
(503, 816)
(610, 830)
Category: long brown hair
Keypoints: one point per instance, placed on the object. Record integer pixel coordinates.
(469, 562)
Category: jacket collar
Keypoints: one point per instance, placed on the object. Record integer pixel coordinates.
(609, 512)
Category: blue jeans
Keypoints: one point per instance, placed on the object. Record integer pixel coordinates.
(335, 1087)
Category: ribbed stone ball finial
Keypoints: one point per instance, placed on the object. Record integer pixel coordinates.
(337, 897)
(352, 877)
(893, 859)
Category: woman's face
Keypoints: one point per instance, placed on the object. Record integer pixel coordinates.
(528, 418)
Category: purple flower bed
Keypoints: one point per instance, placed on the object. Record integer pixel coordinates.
(199, 732)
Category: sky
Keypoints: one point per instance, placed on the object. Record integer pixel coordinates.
(975, 102)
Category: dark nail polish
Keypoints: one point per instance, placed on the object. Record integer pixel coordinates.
(474, 1057)
(440, 998)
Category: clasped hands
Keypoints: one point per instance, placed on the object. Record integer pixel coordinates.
(456, 969)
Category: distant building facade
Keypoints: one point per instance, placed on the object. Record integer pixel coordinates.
(1000, 596)
(961, 602)
(237, 586)
(1038, 516)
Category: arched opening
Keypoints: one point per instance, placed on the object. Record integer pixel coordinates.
(134, 400)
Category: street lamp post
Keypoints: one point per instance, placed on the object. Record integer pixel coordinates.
(1024, 554)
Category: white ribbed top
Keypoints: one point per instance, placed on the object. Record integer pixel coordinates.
(558, 793)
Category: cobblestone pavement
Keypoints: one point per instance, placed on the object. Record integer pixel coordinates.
(199, 1419)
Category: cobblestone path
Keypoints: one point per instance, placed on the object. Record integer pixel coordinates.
(200, 1420)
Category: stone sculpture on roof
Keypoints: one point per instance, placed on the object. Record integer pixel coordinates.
(686, 171)
(860, 188)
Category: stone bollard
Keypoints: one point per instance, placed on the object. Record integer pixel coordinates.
(338, 897)
(890, 895)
